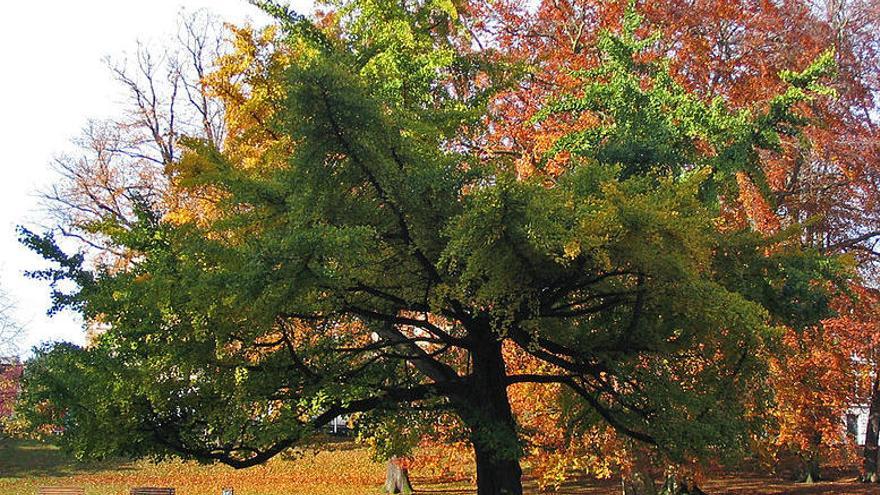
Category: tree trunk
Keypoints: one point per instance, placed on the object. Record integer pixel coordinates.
(869, 464)
(397, 478)
(490, 420)
(810, 470)
(497, 476)
(810, 461)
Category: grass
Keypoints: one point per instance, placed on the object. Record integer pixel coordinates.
(342, 469)
(26, 465)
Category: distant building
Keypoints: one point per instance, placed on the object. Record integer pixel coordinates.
(857, 423)
(340, 425)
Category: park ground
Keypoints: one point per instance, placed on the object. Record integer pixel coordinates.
(345, 469)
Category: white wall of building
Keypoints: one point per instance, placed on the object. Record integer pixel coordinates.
(861, 423)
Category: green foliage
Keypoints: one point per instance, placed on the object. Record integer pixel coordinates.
(649, 124)
(389, 436)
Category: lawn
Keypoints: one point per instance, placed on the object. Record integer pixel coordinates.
(344, 469)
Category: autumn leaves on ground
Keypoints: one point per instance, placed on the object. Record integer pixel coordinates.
(343, 468)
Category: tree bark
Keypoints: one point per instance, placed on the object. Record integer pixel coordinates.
(490, 419)
(397, 478)
(811, 471)
(869, 463)
(810, 461)
(497, 476)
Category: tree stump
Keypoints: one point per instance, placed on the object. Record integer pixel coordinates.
(397, 477)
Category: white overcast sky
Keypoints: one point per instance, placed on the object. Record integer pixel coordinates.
(53, 80)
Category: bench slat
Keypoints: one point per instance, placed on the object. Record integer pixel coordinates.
(61, 490)
(152, 491)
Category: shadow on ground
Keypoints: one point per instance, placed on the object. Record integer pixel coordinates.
(28, 459)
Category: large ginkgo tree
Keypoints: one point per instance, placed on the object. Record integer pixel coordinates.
(381, 261)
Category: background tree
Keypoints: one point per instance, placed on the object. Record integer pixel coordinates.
(122, 164)
(10, 366)
(10, 377)
(10, 330)
(828, 179)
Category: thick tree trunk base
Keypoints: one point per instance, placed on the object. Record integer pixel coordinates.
(809, 473)
(498, 476)
(397, 478)
(490, 420)
(870, 466)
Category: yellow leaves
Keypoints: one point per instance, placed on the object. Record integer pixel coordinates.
(598, 453)
(343, 469)
(247, 82)
(448, 7)
(572, 249)
(241, 375)
(180, 216)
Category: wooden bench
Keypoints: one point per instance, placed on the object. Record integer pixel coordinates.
(152, 491)
(61, 490)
